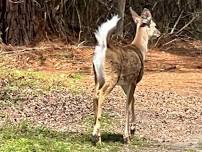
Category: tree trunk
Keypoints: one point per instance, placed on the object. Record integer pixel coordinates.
(121, 10)
(19, 27)
(2, 12)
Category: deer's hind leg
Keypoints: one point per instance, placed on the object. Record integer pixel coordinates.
(100, 95)
(132, 127)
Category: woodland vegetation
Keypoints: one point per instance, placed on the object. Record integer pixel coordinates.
(29, 21)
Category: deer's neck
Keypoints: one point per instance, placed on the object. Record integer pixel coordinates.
(141, 40)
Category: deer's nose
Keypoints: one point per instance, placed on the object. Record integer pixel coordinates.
(157, 33)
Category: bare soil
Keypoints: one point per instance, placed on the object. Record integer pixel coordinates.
(168, 103)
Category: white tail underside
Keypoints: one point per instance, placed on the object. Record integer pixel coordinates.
(101, 35)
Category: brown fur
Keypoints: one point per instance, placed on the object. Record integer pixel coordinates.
(123, 63)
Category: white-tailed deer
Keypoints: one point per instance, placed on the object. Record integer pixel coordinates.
(120, 65)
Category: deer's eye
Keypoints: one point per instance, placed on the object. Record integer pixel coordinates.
(145, 24)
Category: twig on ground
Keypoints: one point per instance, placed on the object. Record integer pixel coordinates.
(80, 44)
(170, 41)
(19, 50)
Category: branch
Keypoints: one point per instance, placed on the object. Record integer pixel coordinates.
(178, 19)
(37, 3)
(80, 26)
(159, 39)
(20, 1)
(104, 4)
(193, 18)
(173, 40)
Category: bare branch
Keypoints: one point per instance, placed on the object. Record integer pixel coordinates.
(186, 25)
(80, 26)
(17, 2)
(37, 3)
(178, 19)
(173, 40)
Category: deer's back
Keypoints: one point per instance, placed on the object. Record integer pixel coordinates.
(124, 63)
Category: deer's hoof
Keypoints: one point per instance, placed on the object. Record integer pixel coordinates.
(126, 140)
(132, 131)
(96, 139)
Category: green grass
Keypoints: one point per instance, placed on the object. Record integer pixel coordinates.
(24, 137)
(190, 150)
(17, 84)
(200, 145)
(45, 81)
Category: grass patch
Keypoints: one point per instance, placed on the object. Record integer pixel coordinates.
(200, 145)
(18, 78)
(24, 137)
(190, 150)
(17, 84)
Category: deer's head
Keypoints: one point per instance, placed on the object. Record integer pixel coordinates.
(145, 22)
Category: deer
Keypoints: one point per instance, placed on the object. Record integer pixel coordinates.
(120, 65)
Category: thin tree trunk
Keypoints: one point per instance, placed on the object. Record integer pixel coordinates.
(2, 12)
(121, 11)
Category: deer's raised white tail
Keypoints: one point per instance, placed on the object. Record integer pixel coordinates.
(102, 35)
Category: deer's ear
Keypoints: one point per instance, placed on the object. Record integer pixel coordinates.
(146, 14)
(135, 16)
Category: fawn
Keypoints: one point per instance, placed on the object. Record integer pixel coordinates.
(120, 65)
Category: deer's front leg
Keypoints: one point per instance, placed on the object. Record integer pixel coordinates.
(129, 91)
